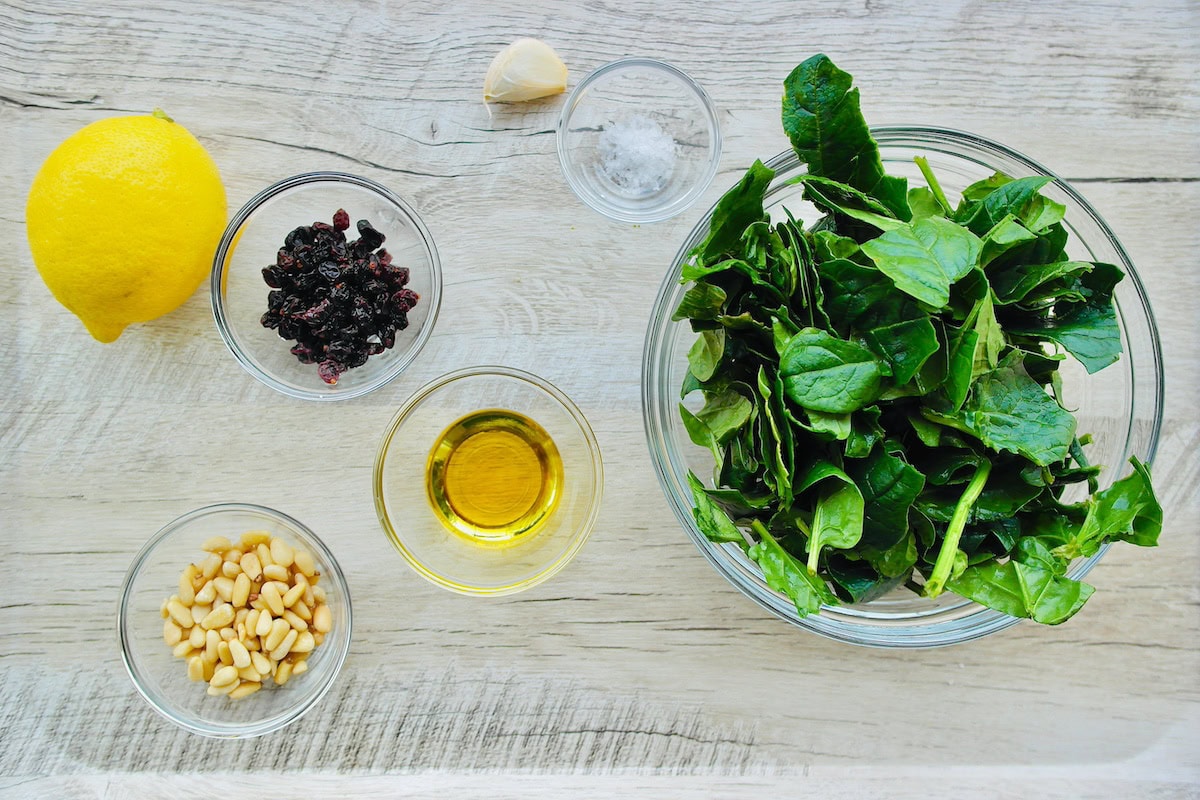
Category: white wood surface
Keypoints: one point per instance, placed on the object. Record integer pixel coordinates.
(637, 671)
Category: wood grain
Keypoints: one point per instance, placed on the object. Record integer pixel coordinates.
(637, 671)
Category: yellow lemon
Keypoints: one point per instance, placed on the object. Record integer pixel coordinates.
(123, 219)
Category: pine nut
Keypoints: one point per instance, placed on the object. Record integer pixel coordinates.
(282, 552)
(318, 593)
(263, 626)
(233, 556)
(301, 611)
(241, 656)
(250, 566)
(224, 675)
(264, 555)
(211, 640)
(187, 595)
(295, 621)
(223, 654)
(244, 690)
(224, 588)
(210, 565)
(285, 646)
(196, 637)
(304, 643)
(293, 595)
(163, 609)
(217, 691)
(210, 668)
(279, 629)
(275, 572)
(228, 634)
(270, 594)
(283, 672)
(216, 544)
(241, 590)
(172, 633)
(260, 663)
(207, 593)
(182, 650)
(200, 612)
(254, 538)
(323, 619)
(195, 668)
(231, 569)
(304, 562)
(251, 622)
(180, 614)
(219, 617)
(300, 668)
(249, 674)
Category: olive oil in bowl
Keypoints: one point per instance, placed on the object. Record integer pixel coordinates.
(494, 477)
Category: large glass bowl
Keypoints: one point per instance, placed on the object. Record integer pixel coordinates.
(1120, 405)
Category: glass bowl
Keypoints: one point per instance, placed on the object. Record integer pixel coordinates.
(255, 235)
(436, 532)
(1121, 405)
(162, 679)
(638, 140)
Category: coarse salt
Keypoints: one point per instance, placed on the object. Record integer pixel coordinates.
(636, 155)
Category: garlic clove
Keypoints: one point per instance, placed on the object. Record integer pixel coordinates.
(525, 70)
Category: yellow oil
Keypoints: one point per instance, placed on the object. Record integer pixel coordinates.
(494, 477)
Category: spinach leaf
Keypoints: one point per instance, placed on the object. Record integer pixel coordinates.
(889, 487)
(701, 302)
(906, 346)
(705, 354)
(824, 373)
(785, 574)
(1126, 511)
(711, 519)
(822, 119)
(838, 519)
(1007, 410)
(924, 257)
(1023, 590)
(739, 208)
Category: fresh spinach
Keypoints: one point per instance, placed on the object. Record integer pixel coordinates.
(881, 388)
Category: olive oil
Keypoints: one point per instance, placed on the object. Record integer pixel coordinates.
(494, 477)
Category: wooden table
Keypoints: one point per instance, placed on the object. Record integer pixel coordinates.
(637, 671)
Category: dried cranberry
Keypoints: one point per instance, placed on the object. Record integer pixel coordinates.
(341, 220)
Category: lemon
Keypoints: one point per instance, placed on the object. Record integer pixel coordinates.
(123, 219)
(525, 70)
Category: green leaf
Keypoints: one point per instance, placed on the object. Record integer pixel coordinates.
(836, 197)
(1022, 590)
(989, 340)
(1019, 198)
(1015, 284)
(824, 373)
(1004, 236)
(735, 211)
(925, 257)
(906, 346)
(821, 117)
(1126, 511)
(838, 518)
(706, 353)
(852, 291)
(889, 487)
(1007, 410)
(865, 432)
(896, 561)
(702, 301)
(960, 369)
(710, 518)
(782, 455)
(785, 574)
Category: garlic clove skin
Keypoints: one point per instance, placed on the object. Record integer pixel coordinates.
(525, 70)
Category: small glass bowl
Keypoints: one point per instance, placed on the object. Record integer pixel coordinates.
(162, 679)
(255, 235)
(1121, 405)
(647, 101)
(406, 510)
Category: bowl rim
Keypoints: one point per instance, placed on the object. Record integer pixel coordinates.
(306, 702)
(651, 213)
(220, 266)
(981, 621)
(582, 532)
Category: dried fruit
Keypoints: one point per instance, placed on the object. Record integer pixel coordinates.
(340, 301)
(525, 70)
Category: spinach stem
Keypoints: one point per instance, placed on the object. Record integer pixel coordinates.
(945, 560)
(934, 186)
